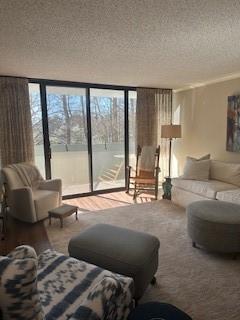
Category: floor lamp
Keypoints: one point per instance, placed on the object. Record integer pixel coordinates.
(170, 131)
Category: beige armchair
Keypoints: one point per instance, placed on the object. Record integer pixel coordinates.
(29, 196)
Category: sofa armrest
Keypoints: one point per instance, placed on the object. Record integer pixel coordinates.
(23, 252)
(22, 205)
(53, 185)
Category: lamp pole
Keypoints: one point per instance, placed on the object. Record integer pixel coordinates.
(170, 156)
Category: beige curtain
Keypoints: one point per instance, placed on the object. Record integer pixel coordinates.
(154, 108)
(16, 136)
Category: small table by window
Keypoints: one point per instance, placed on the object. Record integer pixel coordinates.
(62, 212)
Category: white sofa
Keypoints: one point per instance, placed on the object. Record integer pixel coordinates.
(223, 184)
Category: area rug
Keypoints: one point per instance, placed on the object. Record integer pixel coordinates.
(205, 285)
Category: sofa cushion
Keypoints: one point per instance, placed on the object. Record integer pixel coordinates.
(229, 196)
(19, 298)
(206, 189)
(196, 169)
(205, 157)
(44, 200)
(226, 172)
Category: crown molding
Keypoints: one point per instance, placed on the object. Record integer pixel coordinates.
(228, 77)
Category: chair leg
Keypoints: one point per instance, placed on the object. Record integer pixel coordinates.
(127, 191)
(135, 192)
(156, 192)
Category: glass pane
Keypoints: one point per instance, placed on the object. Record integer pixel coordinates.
(107, 120)
(132, 102)
(36, 111)
(68, 138)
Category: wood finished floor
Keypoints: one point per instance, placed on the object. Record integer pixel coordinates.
(35, 235)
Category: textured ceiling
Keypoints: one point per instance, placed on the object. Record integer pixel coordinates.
(158, 43)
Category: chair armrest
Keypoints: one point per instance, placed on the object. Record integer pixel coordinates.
(157, 170)
(22, 194)
(52, 185)
(130, 170)
(22, 205)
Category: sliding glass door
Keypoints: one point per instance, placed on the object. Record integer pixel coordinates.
(108, 148)
(68, 137)
(81, 134)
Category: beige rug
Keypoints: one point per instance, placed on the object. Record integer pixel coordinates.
(207, 286)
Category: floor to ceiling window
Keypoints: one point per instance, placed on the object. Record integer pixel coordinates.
(67, 125)
(108, 148)
(36, 111)
(81, 134)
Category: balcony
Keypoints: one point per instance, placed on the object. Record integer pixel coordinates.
(70, 163)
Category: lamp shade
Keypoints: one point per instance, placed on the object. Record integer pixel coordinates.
(171, 131)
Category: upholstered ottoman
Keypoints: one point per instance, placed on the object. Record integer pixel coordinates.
(215, 225)
(120, 250)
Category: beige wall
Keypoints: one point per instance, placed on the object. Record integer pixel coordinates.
(202, 112)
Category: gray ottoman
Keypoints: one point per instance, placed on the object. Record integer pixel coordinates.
(127, 252)
(215, 225)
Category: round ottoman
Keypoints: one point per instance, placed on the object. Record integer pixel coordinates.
(215, 225)
(157, 311)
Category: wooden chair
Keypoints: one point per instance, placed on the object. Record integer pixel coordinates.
(144, 179)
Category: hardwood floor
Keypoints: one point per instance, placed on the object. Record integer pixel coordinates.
(35, 235)
(107, 200)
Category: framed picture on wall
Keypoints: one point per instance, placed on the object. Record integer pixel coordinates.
(233, 124)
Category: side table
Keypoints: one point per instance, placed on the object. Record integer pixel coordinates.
(167, 187)
(61, 212)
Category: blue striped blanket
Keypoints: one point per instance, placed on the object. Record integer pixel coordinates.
(54, 286)
(76, 290)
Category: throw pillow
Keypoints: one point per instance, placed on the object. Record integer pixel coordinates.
(196, 169)
(206, 157)
(19, 298)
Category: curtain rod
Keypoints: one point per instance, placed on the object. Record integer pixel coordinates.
(82, 83)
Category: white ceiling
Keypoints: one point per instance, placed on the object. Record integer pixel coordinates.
(155, 43)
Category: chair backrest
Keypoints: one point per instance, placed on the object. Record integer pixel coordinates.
(11, 178)
(147, 161)
(20, 175)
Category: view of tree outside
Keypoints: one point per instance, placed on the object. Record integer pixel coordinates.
(67, 118)
(107, 116)
(107, 121)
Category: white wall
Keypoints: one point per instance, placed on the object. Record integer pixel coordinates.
(202, 112)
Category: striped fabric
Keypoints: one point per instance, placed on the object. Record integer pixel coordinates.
(75, 290)
(19, 296)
